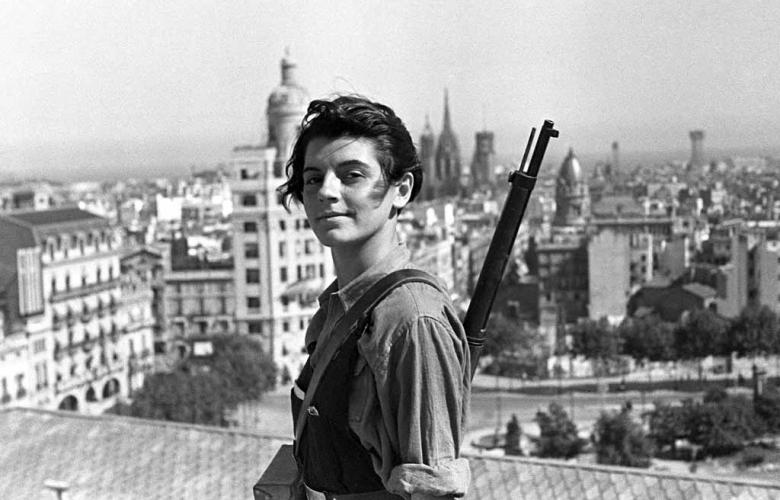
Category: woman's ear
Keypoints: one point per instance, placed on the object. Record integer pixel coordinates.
(403, 190)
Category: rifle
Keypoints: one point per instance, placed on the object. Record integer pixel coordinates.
(498, 254)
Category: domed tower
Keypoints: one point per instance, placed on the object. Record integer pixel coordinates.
(427, 160)
(572, 198)
(448, 156)
(286, 108)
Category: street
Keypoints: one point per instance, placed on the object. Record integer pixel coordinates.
(489, 410)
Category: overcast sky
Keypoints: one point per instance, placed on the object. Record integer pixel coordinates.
(86, 86)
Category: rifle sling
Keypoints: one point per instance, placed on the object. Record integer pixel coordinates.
(355, 318)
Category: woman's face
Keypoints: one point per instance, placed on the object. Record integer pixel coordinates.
(345, 195)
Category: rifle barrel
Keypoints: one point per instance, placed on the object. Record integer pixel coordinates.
(500, 248)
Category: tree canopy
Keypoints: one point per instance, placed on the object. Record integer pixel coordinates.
(648, 338)
(754, 332)
(201, 390)
(703, 333)
(557, 433)
(620, 440)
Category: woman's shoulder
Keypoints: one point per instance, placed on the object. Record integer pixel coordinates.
(410, 309)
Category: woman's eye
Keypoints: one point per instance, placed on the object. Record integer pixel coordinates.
(311, 181)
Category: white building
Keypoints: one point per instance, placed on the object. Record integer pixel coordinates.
(70, 342)
(280, 267)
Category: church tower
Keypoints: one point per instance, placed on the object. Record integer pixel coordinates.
(572, 197)
(286, 108)
(483, 162)
(447, 166)
(428, 161)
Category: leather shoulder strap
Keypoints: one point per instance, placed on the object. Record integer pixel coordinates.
(355, 319)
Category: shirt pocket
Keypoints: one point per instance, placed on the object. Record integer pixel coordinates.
(360, 393)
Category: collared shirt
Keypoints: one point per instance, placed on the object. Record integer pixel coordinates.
(411, 386)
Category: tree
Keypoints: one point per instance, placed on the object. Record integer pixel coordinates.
(669, 423)
(502, 335)
(722, 427)
(620, 440)
(515, 348)
(701, 334)
(180, 397)
(557, 434)
(203, 389)
(245, 366)
(647, 338)
(767, 408)
(754, 332)
(595, 340)
(512, 441)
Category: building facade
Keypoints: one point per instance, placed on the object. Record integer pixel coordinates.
(280, 266)
(81, 346)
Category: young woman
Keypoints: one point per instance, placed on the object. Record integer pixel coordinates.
(388, 414)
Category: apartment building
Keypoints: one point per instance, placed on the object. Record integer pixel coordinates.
(280, 267)
(69, 340)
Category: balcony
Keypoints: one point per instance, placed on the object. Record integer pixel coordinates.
(89, 289)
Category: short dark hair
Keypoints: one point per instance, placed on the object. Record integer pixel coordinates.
(354, 116)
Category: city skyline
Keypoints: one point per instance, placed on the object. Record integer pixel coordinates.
(148, 86)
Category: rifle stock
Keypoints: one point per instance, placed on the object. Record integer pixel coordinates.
(500, 248)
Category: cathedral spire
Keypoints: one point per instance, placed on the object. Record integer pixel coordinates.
(446, 110)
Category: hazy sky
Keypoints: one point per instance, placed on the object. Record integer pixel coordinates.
(92, 87)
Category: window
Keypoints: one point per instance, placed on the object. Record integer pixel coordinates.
(250, 227)
(255, 327)
(300, 272)
(54, 285)
(283, 274)
(67, 282)
(253, 302)
(322, 270)
(282, 248)
(251, 250)
(39, 346)
(249, 200)
(283, 226)
(285, 326)
(253, 276)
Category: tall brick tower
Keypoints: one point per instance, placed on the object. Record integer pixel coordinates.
(483, 162)
(697, 149)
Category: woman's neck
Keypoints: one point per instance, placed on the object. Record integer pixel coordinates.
(350, 262)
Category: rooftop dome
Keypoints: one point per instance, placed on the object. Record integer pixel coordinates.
(571, 171)
(289, 95)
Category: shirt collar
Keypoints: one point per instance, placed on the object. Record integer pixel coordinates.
(397, 258)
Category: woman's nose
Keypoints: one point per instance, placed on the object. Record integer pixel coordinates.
(329, 188)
